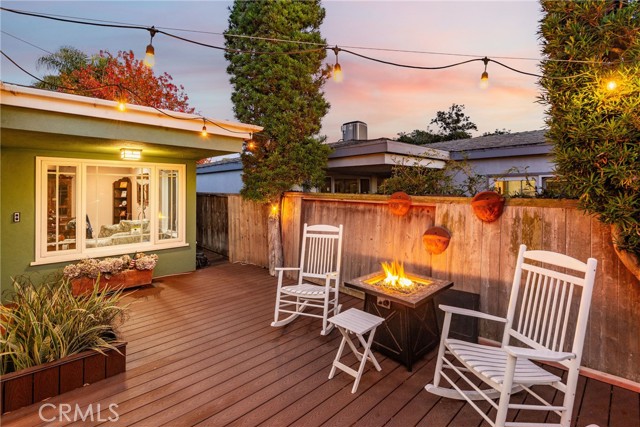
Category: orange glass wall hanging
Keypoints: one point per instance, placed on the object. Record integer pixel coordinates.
(436, 240)
(487, 205)
(399, 203)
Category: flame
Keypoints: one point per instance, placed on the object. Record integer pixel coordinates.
(395, 276)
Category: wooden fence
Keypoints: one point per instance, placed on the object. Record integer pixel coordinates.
(480, 257)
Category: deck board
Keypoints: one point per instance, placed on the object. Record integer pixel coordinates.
(202, 352)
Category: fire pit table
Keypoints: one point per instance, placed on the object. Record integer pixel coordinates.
(410, 329)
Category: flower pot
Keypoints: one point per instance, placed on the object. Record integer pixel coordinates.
(40, 382)
(487, 205)
(628, 259)
(399, 203)
(436, 240)
(122, 280)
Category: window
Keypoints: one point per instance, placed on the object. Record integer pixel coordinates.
(519, 186)
(99, 208)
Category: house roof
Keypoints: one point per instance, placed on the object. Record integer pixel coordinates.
(41, 119)
(223, 165)
(491, 146)
(380, 155)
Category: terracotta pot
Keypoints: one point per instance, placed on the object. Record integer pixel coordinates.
(123, 280)
(40, 382)
(436, 240)
(399, 203)
(487, 205)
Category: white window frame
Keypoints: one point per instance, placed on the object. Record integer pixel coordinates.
(80, 201)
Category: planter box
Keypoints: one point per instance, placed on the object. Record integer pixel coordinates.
(34, 384)
(126, 279)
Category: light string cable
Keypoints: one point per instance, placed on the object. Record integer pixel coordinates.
(121, 88)
(159, 31)
(323, 47)
(275, 39)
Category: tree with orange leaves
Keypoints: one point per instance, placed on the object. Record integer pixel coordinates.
(114, 78)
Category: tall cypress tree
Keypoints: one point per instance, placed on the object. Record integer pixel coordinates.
(278, 87)
(591, 82)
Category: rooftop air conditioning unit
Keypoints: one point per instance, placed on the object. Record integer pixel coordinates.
(354, 131)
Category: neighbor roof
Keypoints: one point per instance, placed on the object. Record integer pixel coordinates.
(510, 144)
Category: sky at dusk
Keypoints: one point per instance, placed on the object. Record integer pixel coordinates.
(389, 99)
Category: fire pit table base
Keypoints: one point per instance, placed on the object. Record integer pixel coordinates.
(407, 333)
(410, 329)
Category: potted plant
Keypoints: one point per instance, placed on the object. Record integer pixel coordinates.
(52, 341)
(111, 273)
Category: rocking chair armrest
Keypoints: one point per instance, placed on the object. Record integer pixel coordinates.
(287, 268)
(472, 313)
(545, 355)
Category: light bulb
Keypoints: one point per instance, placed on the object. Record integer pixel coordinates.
(337, 73)
(484, 80)
(612, 85)
(122, 106)
(204, 131)
(150, 57)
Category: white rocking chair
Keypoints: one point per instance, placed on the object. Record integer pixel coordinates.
(540, 317)
(320, 258)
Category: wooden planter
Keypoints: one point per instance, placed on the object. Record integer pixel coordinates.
(34, 384)
(126, 279)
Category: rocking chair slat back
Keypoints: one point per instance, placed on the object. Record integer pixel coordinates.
(320, 252)
(548, 302)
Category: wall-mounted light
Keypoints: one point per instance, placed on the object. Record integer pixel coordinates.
(130, 154)
(150, 56)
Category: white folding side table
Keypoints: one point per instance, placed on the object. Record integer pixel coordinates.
(359, 323)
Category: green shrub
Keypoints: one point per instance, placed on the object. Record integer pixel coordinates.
(46, 322)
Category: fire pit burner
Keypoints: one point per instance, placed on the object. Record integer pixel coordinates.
(410, 329)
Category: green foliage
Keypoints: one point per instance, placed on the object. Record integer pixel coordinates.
(596, 130)
(502, 131)
(454, 179)
(279, 91)
(46, 322)
(65, 60)
(453, 124)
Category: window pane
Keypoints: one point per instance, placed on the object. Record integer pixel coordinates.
(61, 185)
(117, 202)
(168, 204)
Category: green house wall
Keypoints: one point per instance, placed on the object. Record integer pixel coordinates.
(17, 240)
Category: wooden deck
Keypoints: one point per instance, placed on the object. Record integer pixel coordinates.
(201, 352)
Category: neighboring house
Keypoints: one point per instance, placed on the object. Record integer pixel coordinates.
(360, 166)
(69, 193)
(222, 176)
(514, 163)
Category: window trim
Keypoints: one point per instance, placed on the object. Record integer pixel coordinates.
(41, 256)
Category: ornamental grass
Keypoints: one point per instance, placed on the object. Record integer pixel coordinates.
(46, 322)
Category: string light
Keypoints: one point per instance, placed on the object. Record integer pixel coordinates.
(337, 69)
(612, 84)
(150, 56)
(484, 78)
(204, 128)
(251, 144)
